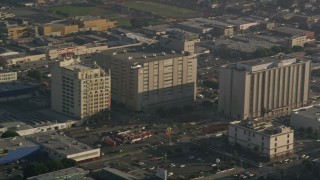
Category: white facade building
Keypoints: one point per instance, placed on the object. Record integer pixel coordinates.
(271, 140)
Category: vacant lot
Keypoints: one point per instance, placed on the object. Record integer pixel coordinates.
(163, 9)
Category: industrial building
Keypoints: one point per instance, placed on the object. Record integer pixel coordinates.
(92, 23)
(147, 77)
(306, 118)
(271, 86)
(60, 146)
(69, 173)
(17, 90)
(79, 90)
(12, 149)
(265, 138)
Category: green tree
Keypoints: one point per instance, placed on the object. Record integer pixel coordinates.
(297, 48)
(66, 163)
(9, 133)
(35, 74)
(138, 22)
(54, 165)
(34, 169)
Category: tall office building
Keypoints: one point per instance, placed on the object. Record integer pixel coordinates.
(79, 90)
(271, 86)
(148, 77)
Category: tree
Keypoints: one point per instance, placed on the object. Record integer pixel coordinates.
(9, 133)
(297, 48)
(188, 108)
(34, 169)
(138, 22)
(66, 163)
(35, 74)
(54, 165)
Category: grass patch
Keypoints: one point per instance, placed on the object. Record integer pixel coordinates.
(163, 9)
(77, 10)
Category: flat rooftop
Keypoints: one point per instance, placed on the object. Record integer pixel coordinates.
(143, 53)
(15, 125)
(16, 143)
(291, 31)
(310, 111)
(264, 127)
(78, 66)
(69, 173)
(16, 85)
(265, 63)
(60, 143)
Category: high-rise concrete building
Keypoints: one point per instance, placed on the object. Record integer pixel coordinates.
(149, 77)
(271, 86)
(79, 90)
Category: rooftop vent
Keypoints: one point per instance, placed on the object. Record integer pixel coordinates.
(163, 53)
(173, 52)
(114, 53)
(144, 56)
(154, 55)
(130, 58)
(125, 51)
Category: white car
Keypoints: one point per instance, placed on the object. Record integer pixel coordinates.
(213, 165)
(172, 165)
(182, 165)
(170, 174)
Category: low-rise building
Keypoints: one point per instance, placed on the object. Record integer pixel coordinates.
(7, 76)
(92, 23)
(69, 173)
(297, 37)
(12, 149)
(17, 90)
(60, 28)
(306, 118)
(272, 140)
(16, 31)
(60, 146)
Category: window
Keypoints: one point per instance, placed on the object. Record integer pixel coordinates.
(275, 144)
(288, 141)
(288, 135)
(235, 129)
(262, 143)
(275, 139)
(275, 150)
(253, 135)
(288, 147)
(244, 132)
(262, 138)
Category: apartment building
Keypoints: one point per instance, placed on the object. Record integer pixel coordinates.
(7, 76)
(271, 86)
(79, 90)
(150, 77)
(271, 140)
